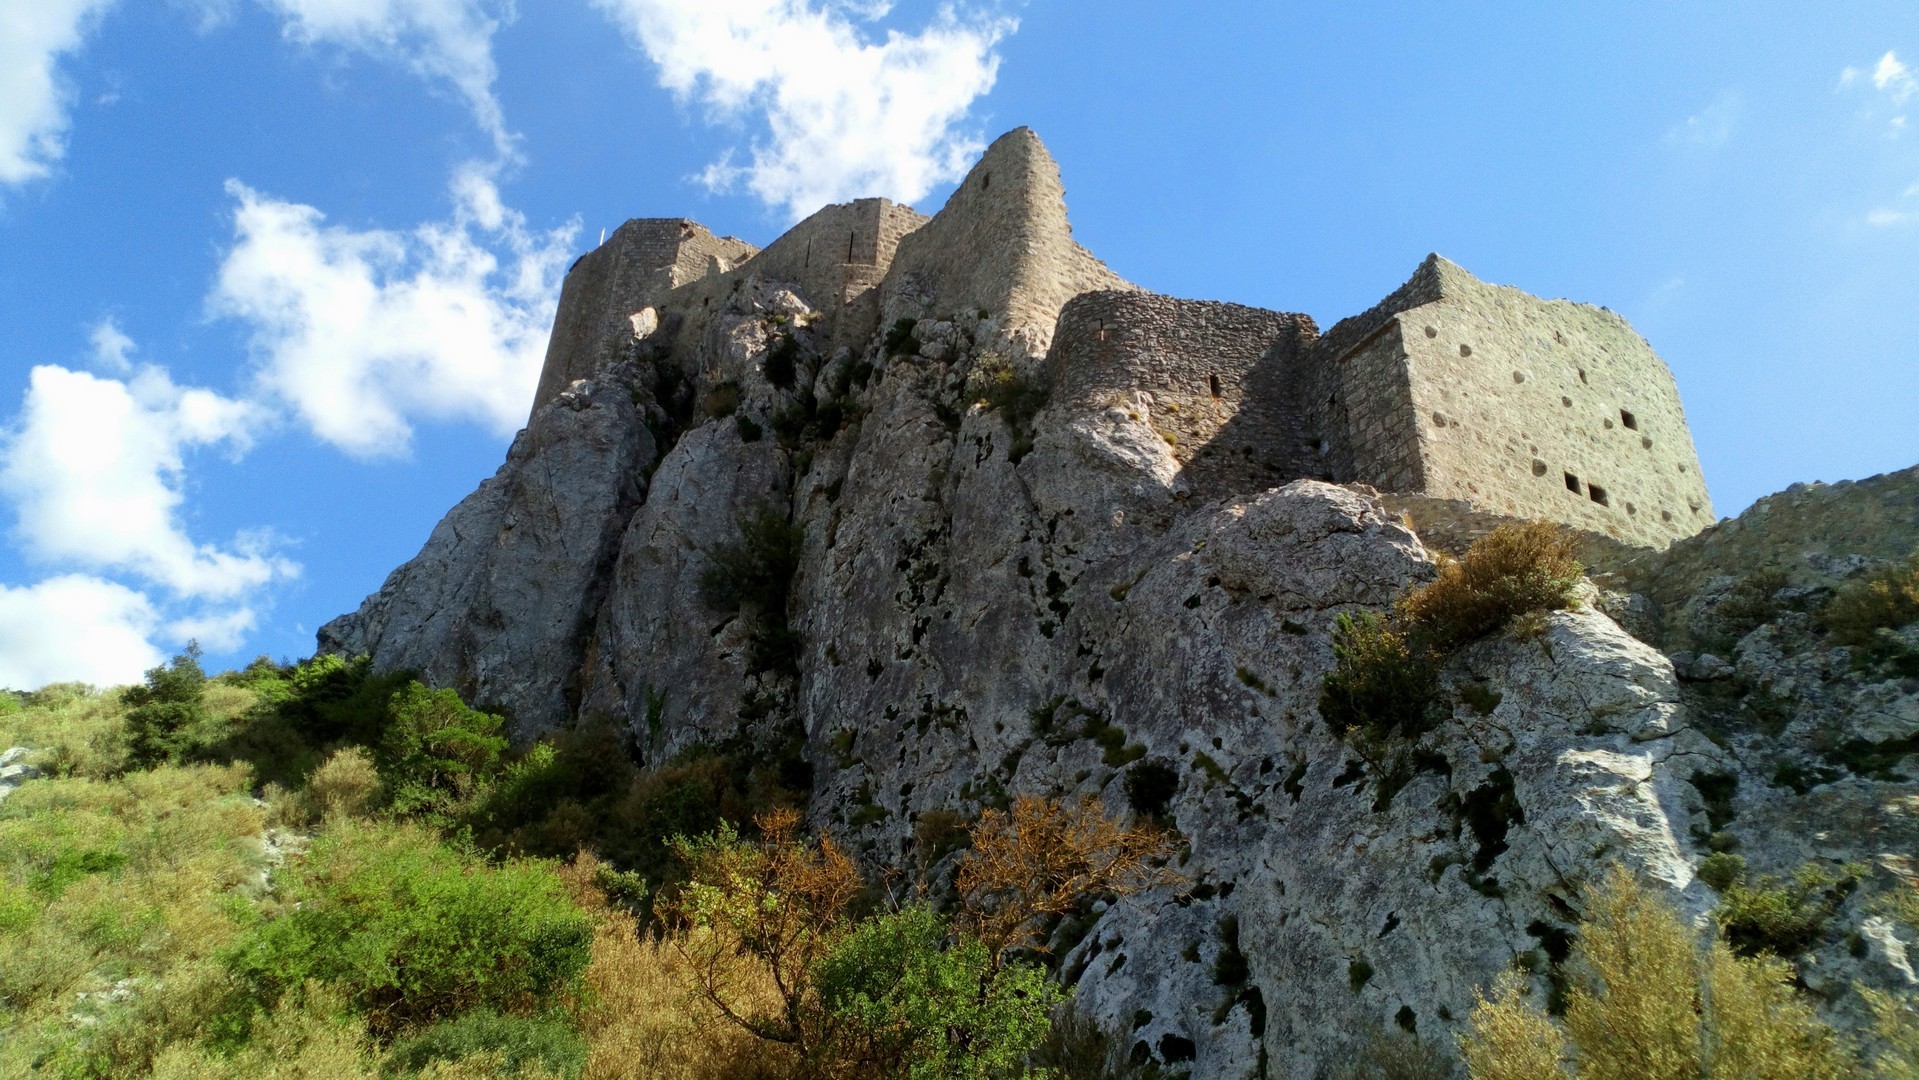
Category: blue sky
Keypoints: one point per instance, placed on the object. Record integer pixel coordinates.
(276, 275)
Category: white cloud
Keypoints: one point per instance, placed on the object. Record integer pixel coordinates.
(217, 630)
(33, 100)
(1711, 127)
(111, 346)
(1893, 77)
(75, 629)
(845, 116)
(362, 330)
(94, 468)
(450, 40)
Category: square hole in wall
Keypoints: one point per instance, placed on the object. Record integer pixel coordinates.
(1629, 419)
(1572, 484)
(1597, 494)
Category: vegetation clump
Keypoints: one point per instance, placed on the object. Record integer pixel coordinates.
(1383, 694)
(1648, 1003)
(1514, 570)
(167, 715)
(1886, 600)
(755, 574)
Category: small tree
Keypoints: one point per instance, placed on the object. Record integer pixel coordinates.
(163, 714)
(436, 749)
(767, 930)
(1037, 862)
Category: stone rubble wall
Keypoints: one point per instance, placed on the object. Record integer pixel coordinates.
(1001, 245)
(1209, 377)
(1547, 408)
(635, 268)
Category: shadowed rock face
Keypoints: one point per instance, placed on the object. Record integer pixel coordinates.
(995, 597)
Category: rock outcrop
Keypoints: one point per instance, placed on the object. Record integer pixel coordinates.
(1000, 593)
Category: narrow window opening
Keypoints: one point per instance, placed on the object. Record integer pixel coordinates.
(985, 181)
(850, 238)
(1213, 380)
(1572, 484)
(1598, 494)
(1629, 419)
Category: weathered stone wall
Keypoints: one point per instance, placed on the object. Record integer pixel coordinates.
(1457, 389)
(1002, 245)
(634, 268)
(1210, 378)
(1549, 408)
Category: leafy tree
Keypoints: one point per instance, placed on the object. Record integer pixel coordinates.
(903, 998)
(436, 749)
(167, 713)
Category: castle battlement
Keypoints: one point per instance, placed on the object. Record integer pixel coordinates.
(1449, 387)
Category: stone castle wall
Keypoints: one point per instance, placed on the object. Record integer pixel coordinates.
(1449, 387)
(1548, 408)
(635, 268)
(1002, 245)
(1210, 377)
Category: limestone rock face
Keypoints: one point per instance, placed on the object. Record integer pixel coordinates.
(1001, 593)
(497, 603)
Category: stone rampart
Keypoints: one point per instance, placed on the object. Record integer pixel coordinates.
(1550, 408)
(634, 268)
(1002, 245)
(1210, 377)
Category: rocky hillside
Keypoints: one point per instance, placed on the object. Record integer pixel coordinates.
(895, 554)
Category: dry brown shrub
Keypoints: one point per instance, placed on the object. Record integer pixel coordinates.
(759, 913)
(1037, 862)
(1515, 569)
(344, 785)
(1884, 601)
(642, 1010)
(1511, 1040)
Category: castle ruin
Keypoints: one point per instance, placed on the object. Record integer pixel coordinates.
(1450, 387)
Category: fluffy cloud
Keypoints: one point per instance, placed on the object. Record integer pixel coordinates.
(33, 102)
(845, 115)
(450, 40)
(361, 330)
(75, 629)
(94, 469)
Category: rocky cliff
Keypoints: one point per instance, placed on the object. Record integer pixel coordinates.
(998, 593)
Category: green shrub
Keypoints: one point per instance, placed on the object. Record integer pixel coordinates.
(897, 993)
(782, 361)
(900, 339)
(1513, 570)
(1017, 397)
(513, 1043)
(1384, 685)
(1885, 600)
(1780, 917)
(1722, 870)
(756, 573)
(167, 716)
(436, 749)
(411, 932)
(346, 784)
(1150, 787)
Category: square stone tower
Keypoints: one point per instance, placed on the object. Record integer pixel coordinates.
(1458, 389)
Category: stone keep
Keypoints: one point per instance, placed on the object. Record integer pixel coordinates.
(1450, 387)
